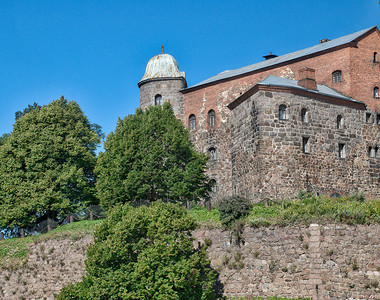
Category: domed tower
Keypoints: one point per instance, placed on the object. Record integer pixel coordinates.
(162, 82)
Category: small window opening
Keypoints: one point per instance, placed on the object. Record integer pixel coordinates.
(377, 155)
(337, 76)
(305, 145)
(211, 118)
(375, 57)
(158, 100)
(367, 117)
(376, 92)
(339, 122)
(192, 122)
(342, 151)
(214, 188)
(378, 119)
(282, 112)
(212, 153)
(371, 152)
(304, 115)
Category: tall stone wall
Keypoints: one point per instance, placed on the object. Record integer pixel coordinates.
(268, 158)
(318, 262)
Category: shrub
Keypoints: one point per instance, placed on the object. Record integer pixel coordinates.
(232, 209)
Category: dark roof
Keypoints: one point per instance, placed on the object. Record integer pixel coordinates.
(285, 58)
(274, 81)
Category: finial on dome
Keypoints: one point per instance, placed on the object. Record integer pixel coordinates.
(162, 49)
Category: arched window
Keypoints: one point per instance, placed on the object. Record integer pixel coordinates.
(211, 118)
(339, 122)
(371, 152)
(282, 112)
(212, 153)
(158, 100)
(304, 115)
(214, 188)
(376, 92)
(337, 76)
(192, 122)
(374, 56)
(377, 155)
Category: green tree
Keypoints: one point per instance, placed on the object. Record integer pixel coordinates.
(46, 164)
(145, 253)
(150, 157)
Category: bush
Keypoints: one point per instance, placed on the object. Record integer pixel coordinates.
(232, 209)
(145, 253)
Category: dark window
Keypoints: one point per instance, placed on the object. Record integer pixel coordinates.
(211, 118)
(342, 151)
(305, 145)
(371, 152)
(376, 92)
(339, 122)
(214, 188)
(377, 152)
(192, 122)
(304, 115)
(367, 117)
(374, 56)
(158, 100)
(378, 119)
(337, 76)
(282, 112)
(212, 153)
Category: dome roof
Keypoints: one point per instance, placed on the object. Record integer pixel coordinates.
(162, 66)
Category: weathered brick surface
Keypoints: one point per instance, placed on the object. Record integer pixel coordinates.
(267, 156)
(298, 261)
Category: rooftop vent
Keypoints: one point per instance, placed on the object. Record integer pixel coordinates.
(324, 41)
(270, 56)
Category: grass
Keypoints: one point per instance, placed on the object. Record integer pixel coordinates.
(306, 210)
(14, 252)
(266, 298)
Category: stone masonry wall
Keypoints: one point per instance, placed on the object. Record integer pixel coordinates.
(267, 155)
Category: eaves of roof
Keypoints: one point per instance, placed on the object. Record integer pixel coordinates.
(338, 43)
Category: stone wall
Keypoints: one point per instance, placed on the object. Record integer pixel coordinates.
(267, 153)
(318, 262)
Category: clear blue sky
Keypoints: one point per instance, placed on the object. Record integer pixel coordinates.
(95, 52)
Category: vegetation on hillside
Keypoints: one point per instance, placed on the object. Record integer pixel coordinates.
(46, 164)
(145, 253)
(149, 156)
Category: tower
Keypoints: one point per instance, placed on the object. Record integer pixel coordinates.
(162, 82)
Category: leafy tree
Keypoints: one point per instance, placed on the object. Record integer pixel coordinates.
(145, 253)
(46, 164)
(150, 157)
(3, 138)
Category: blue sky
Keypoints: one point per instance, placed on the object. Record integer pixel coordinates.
(95, 52)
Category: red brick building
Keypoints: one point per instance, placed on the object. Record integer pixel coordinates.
(254, 127)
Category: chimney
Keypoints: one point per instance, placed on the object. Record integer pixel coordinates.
(324, 41)
(307, 79)
(269, 56)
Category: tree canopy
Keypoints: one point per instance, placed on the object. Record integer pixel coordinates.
(46, 164)
(145, 253)
(149, 156)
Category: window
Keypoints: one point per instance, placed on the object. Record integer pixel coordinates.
(212, 153)
(367, 117)
(192, 122)
(376, 92)
(377, 155)
(305, 145)
(337, 76)
(304, 115)
(378, 119)
(211, 118)
(282, 112)
(342, 151)
(371, 152)
(214, 188)
(375, 57)
(158, 100)
(339, 122)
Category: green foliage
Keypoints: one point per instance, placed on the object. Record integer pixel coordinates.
(232, 209)
(46, 164)
(349, 210)
(3, 138)
(145, 253)
(205, 217)
(149, 156)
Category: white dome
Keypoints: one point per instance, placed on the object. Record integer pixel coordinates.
(162, 66)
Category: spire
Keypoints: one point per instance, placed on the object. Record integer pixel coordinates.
(162, 49)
